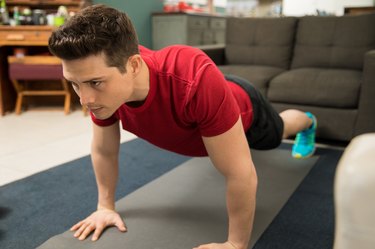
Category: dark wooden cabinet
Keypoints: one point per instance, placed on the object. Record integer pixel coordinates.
(33, 38)
(358, 10)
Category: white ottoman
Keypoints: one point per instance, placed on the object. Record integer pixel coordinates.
(355, 195)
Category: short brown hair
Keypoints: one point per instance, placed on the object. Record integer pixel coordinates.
(94, 30)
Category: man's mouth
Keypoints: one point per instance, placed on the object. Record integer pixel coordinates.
(94, 109)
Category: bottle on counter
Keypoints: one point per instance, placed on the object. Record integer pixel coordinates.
(61, 16)
(39, 17)
(26, 14)
(16, 16)
(4, 15)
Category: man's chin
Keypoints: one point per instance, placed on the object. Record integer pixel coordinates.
(101, 113)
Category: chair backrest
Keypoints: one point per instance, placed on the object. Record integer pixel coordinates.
(260, 41)
(355, 195)
(334, 42)
(35, 68)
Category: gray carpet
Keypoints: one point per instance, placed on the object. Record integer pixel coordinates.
(186, 206)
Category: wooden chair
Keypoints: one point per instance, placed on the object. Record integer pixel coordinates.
(37, 68)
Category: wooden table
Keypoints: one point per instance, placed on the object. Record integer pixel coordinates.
(359, 10)
(10, 38)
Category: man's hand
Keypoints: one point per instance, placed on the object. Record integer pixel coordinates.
(226, 245)
(97, 222)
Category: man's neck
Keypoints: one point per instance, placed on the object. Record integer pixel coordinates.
(142, 84)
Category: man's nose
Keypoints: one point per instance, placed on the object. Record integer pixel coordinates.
(86, 96)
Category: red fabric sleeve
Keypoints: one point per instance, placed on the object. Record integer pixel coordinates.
(213, 105)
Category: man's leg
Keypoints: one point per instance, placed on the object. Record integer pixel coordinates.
(294, 122)
(269, 127)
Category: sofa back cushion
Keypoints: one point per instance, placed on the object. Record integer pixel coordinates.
(334, 42)
(260, 41)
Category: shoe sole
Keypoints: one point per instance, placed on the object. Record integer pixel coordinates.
(298, 156)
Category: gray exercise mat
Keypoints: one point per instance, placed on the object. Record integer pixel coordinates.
(186, 206)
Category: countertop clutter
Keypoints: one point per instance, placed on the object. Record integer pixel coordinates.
(172, 6)
(35, 12)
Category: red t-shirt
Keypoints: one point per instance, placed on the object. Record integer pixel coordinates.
(188, 98)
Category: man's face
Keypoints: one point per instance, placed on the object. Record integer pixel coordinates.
(101, 89)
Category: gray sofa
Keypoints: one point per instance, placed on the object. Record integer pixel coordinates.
(325, 65)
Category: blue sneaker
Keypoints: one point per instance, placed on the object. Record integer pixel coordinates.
(304, 144)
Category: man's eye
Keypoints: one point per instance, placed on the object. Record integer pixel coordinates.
(95, 83)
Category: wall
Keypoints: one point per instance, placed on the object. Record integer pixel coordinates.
(309, 7)
(140, 13)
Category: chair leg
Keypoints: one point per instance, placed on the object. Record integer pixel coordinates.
(19, 103)
(67, 103)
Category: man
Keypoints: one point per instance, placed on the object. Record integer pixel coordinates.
(175, 98)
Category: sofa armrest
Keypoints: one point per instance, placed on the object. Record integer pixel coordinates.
(366, 109)
(215, 52)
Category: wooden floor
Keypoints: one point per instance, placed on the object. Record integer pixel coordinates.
(38, 140)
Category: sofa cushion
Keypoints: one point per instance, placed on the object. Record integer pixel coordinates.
(333, 42)
(319, 87)
(259, 76)
(260, 41)
(333, 123)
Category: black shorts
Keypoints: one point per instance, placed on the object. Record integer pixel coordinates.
(267, 128)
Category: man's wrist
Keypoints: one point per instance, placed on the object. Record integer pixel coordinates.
(106, 207)
(237, 245)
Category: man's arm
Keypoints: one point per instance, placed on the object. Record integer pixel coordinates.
(104, 155)
(230, 154)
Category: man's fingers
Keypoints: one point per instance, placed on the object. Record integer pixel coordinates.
(86, 232)
(202, 247)
(227, 245)
(97, 233)
(96, 223)
(76, 226)
(80, 229)
(209, 246)
(121, 225)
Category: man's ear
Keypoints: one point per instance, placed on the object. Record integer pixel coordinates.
(134, 64)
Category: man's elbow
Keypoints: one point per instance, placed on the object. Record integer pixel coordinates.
(253, 177)
(104, 151)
